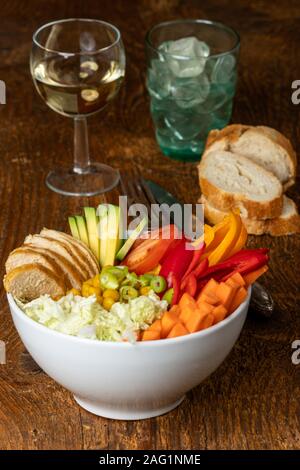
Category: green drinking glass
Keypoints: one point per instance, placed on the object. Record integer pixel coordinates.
(191, 79)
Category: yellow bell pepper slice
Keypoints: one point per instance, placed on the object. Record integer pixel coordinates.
(241, 242)
(207, 237)
(229, 241)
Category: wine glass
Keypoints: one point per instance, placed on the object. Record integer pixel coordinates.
(78, 66)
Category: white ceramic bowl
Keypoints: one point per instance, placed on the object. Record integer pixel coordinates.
(129, 381)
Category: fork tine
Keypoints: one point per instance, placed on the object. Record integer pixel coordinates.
(126, 189)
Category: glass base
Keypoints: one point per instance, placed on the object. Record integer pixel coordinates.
(182, 155)
(97, 178)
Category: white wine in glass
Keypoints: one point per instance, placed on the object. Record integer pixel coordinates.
(78, 66)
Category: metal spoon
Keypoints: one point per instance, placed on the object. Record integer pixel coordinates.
(261, 301)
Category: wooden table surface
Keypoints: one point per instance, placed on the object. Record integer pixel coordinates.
(252, 400)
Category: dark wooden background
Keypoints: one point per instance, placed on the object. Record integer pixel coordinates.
(252, 401)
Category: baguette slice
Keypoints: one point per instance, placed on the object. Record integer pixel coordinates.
(263, 145)
(230, 181)
(287, 223)
(29, 281)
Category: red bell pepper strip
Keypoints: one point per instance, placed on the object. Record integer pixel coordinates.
(198, 272)
(201, 268)
(175, 286)
(197, 253)
(243, 262)
(176, 262)
(191, 285)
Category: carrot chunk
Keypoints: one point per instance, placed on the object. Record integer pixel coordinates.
(175, 309)
(156, 326)
(150, 335)
(205, 308)
(178, 330)
(250, 278)
(209, 288)
(230, 282)
(168, 320)
(208, 298)
(238, 278)
(219, 313)
(239, 297)
(225, 293)
(187, 301)
(186, 313)
(199, 321)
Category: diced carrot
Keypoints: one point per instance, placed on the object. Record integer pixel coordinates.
(219, 313)
(205, 308)
(175, 309)
(156, 326)
(187, 301)
(230, 282)
(239, 297)
(178, 330)
(238, 278)
(225, 293)
(150, 335)
(168, 320)
(209, 288)
(199, 321)
(208, 321)
(250, 278)
(208, 298)
(186, 313)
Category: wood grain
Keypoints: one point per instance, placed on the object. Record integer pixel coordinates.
(252, 401)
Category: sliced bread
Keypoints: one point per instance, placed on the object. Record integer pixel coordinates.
(62, 256)
(86, 254)
(264, 145)
(29, 281)
(229, 180)
(286, 224)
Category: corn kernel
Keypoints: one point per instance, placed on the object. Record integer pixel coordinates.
(88, 290)
(99, 298)
(111, 294)
(108, 303)
(74, 291)
(145, 290)
(96, 281)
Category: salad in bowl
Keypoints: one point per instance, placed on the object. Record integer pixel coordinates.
(129, 326)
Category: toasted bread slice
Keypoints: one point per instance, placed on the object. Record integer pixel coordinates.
(263, 145)
(230, 181)
(61, 253)
(86, 255)
(29, 281)
(287, 223)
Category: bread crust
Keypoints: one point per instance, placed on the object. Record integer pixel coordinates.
(275, 227)
(233, 132)
(34, 280)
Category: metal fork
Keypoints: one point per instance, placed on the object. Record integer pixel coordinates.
(138, 192)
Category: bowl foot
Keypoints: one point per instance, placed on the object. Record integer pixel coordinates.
(125, 413)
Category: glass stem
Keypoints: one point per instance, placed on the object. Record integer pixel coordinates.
(81, 145)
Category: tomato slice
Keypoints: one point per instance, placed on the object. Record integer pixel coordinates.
(148, 254)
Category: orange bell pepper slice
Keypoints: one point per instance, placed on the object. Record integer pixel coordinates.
(229, 241)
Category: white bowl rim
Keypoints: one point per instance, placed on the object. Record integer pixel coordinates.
(125, 344)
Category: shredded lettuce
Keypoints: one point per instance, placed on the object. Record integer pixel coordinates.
(85, 317)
